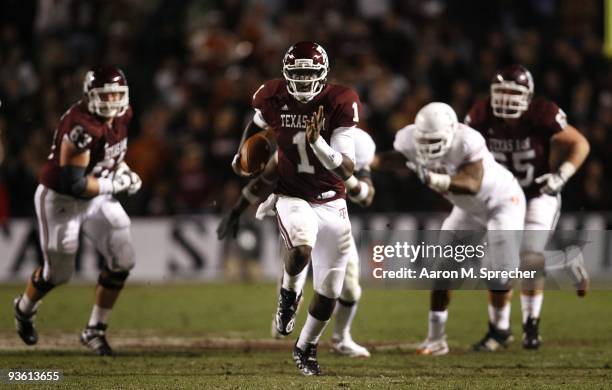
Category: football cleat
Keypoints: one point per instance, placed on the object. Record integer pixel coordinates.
(273, 332)
(288, 302)
(306, 361)
(433, 347)
(531, 334)
(24, 324)
(94, 338)
(347, 347)
(494, 340)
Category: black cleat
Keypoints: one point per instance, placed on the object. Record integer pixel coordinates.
(24, 324)
(94, 338)
(494, 340)
(288, 302)
(306, 361)
(531, 333)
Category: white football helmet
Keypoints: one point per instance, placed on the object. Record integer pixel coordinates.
(436, 124)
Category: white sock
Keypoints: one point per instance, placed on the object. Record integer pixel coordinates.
(295, 283)
(437, 324)
(311, 332)
(99, 315)
(531, 306)
(500, 318)
(26, 305)
(344, 318)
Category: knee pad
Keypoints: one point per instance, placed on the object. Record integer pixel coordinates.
(330, 285)
(58, 268)
(120, 253)
(351, 290)
(39, 282)
(112, 280)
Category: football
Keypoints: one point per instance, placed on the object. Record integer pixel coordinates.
(256, 151)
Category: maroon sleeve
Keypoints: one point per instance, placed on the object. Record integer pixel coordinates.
(347, 110)
(549, 117)
(76, 129)
(261, 100)
(476, 117)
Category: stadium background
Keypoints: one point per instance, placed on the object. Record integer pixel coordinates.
(192, 67)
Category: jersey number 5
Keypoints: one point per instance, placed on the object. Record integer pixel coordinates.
(520, 165)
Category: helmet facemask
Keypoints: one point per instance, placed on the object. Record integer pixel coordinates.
(305, 80)
(509, 100)
(98, 100)
(433, 145)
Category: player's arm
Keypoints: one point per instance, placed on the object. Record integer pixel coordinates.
(73, 164)
(575, 147)
(338, 161)
(360, 188)
(253, 193)
(257, 124)
(466, 181)
(251, 128)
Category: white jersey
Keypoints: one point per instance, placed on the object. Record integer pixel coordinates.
(365, 148)
(468, 146)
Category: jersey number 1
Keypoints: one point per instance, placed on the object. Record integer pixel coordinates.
(304, 166)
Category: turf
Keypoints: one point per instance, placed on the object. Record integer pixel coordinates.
(173, 321)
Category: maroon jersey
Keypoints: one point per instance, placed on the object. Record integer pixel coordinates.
(301, 175)
(524, 147)
(107, 145)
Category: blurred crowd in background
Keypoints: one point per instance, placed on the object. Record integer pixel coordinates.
(193, 65)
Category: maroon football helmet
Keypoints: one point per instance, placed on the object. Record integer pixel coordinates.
(511, 91)
(305, 68)
(101, 87)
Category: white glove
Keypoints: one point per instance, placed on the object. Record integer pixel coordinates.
(556, 181)
(135, 182)
(436, 181)
(119, 183)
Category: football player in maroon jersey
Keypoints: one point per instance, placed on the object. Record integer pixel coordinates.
(523, 132)
(312, 120)
(83, 171)
(362, 193)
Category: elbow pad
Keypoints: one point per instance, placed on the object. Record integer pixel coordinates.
(73, 179)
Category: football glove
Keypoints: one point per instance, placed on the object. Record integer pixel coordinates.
(556, 181)
(135, 181)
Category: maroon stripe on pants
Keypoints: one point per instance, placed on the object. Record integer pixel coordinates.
(284, 232)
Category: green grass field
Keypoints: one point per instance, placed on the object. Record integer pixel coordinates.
(214, 336)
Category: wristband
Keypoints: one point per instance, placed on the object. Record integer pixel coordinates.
(566, 170)
(364, 191)
(105, 186)
(439, 182)
(326, 155)
(351, 182)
